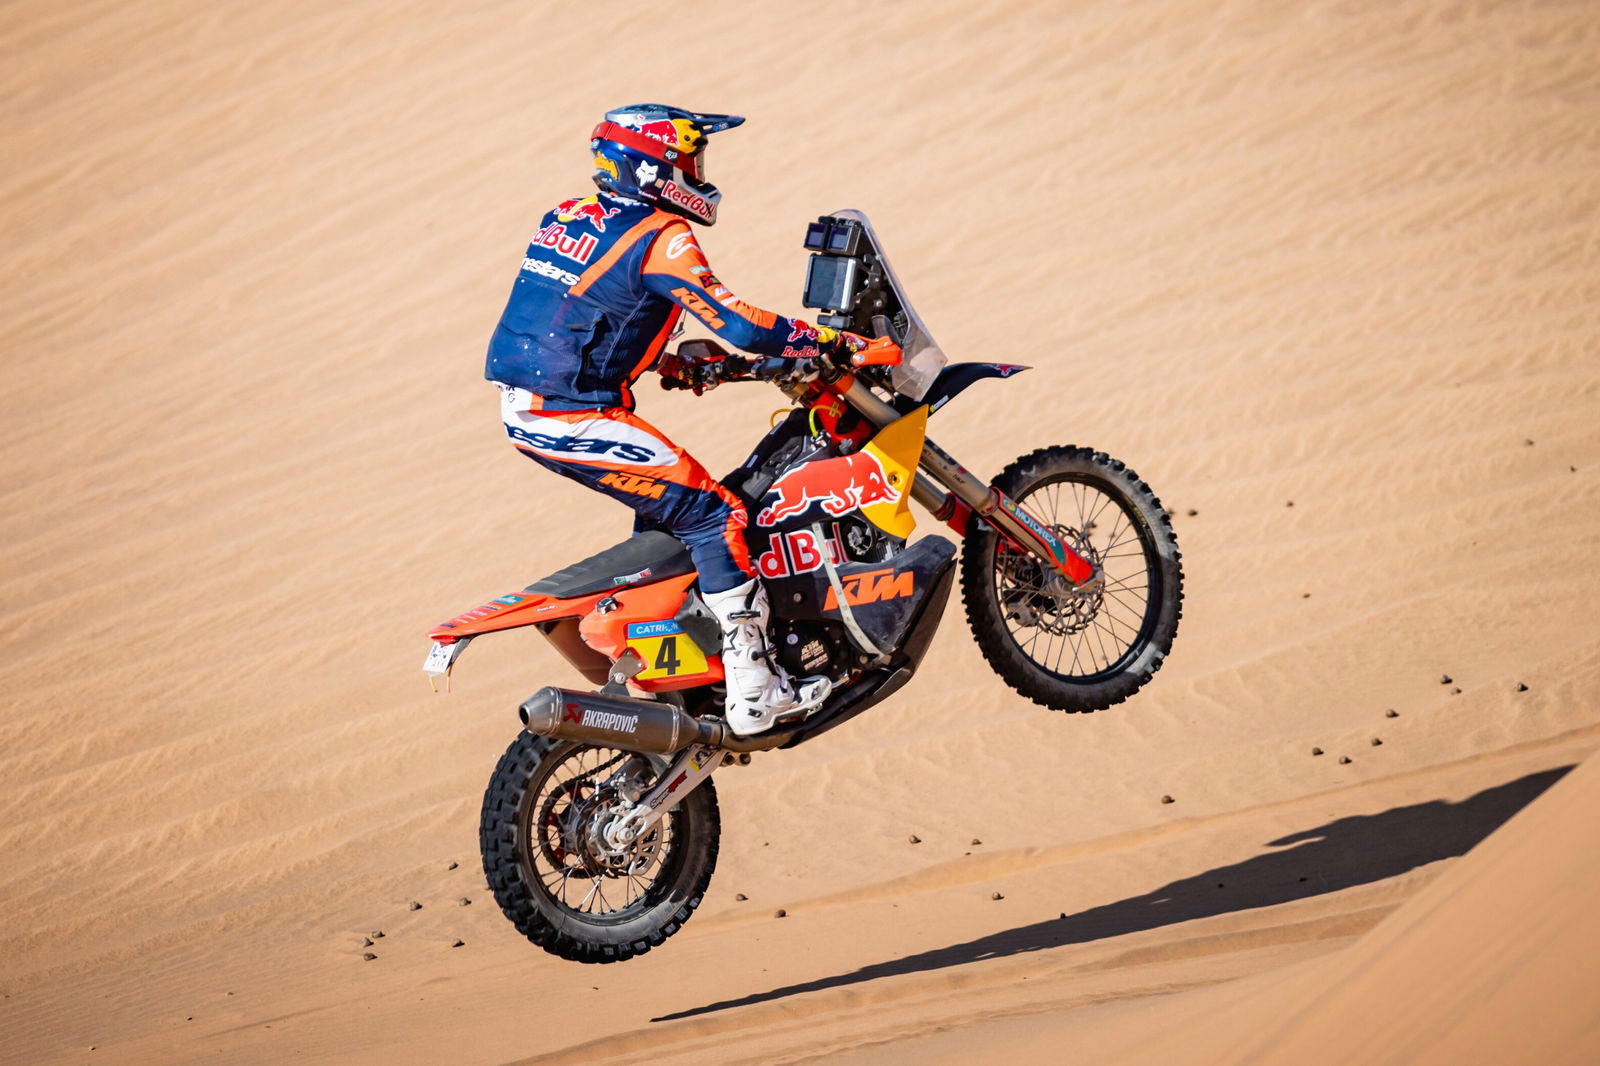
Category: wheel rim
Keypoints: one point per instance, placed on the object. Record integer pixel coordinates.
(564, 857)
(1081, 635)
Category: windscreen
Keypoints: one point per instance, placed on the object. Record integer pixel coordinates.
(923, 357)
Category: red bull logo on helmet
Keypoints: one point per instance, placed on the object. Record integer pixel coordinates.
(662, 130)
(840, 485)
(690, 201)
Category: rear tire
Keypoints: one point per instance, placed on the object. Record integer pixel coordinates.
(1117, 639)
(531, 866)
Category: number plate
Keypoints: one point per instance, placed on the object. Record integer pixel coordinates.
(439, 659)
(666, 649)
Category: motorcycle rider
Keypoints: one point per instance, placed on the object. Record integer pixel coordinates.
(602, 286)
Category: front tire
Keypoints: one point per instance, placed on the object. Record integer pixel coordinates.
(550, 878)
(1077, 650)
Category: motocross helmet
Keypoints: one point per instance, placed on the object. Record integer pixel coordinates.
(657, 154)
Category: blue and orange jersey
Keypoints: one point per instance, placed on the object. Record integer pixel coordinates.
(602, 286)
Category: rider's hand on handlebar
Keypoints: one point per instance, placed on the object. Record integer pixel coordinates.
(680, 373)
(852, 349)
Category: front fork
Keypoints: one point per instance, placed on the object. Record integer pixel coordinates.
(968, 496)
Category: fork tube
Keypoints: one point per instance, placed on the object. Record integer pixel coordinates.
(935, 460)
(984, 500)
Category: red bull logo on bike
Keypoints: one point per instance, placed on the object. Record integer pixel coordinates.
(839, 485)
(790, 554)
(590, 209)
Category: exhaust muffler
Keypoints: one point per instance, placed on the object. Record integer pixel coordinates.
(646, 726)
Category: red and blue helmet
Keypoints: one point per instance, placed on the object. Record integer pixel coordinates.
(657, 154)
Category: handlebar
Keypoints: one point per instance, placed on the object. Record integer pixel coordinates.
(709, 371)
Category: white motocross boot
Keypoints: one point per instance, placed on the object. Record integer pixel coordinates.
(760, 691)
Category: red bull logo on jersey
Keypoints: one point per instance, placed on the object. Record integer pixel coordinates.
(589, 209)
(556, 238)
(840, 485)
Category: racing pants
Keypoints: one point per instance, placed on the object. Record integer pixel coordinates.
(614, 451)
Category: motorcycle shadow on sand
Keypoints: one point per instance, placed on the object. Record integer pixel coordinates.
(1342, 854)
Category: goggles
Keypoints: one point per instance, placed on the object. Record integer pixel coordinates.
(692, 164)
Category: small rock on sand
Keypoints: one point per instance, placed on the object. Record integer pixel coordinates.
(1445, 679)
(452, 866)
(996, 895)
(465, 902)
(780, 913)
(376, 933)
(1345, 760)
(459, 944)
(369, 956)
(415, 905)
(366, 941)
(1192, 512)
(976, 842)
(740, 896)
(1168, 799)
(913, 839)
(1391, 713)
(1521, 687)
(1455, 691)
(1316, 751)
(1377, 742)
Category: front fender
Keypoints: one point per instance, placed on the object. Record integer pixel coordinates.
(952, 380)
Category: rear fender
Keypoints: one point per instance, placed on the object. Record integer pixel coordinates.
(952, 380)
(512, 611)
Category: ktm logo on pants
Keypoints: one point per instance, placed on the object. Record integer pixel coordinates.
(874, 586)
(634, 484)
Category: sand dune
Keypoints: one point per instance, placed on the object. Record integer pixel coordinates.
(1342, 255)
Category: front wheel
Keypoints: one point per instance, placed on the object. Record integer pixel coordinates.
(548, 862)
(1085, 648)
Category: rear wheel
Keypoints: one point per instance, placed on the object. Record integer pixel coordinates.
(551, 869)
(1084, 648)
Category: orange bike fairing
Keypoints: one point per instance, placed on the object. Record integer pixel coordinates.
(607, 632)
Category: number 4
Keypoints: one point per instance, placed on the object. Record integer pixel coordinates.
(667, 658)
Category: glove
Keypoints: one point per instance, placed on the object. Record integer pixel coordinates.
(680, 373)
(852, 349)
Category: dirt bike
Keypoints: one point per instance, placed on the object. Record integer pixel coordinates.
(600, 824)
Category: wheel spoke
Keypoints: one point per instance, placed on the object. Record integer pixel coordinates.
(1071, 632)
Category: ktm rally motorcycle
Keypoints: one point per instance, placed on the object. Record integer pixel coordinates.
(600, 825)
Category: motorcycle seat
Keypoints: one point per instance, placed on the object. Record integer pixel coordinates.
(639, 560)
